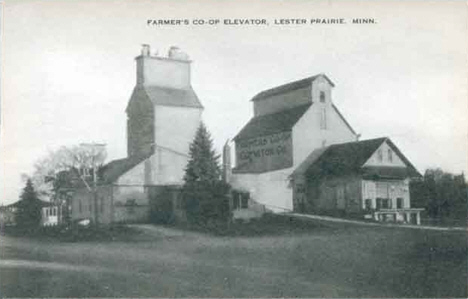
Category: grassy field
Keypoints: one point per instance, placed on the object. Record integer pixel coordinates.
(287, 258)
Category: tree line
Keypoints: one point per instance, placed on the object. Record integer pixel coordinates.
(443, 195)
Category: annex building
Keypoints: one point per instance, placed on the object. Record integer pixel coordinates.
(298, 153)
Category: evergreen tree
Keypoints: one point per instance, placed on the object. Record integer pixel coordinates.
(205, 194)
(28, 212)
(203, 165)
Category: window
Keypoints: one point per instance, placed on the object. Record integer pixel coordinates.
(240, 200)
(322, 97)
(368, 204)
(47, 212)
(390, 155)
(235, 201)
(378, 203)
(130, 205)
(399, 203)
(244, 200)
(380, 155)
(323, 119)
(386, 203)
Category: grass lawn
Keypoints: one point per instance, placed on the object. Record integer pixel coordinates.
(76, 233)
(268, 258)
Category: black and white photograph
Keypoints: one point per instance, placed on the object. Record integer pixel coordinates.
(224, 149)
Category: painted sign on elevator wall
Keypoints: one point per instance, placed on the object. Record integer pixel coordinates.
(265, 153)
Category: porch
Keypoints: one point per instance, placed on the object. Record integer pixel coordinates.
(407, 215)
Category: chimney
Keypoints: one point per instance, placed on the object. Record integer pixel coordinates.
(172, 71)
(226, 162)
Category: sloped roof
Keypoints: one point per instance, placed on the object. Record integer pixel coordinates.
(272, 123)
(343, 119)
(19, 202)
(167, 96)
(47, 204)
(289, 87)
(110, 172)
(12, 205)
(349, 158)
(311, 158)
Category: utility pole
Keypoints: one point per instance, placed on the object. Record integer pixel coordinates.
(94, 146)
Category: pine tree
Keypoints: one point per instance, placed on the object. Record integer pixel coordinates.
(28, 212)
(203, 165)
(205, 194)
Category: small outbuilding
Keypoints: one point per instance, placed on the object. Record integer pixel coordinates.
(367, 178)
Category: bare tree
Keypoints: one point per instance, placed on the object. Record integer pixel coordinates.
(84, 159)
(52, 174)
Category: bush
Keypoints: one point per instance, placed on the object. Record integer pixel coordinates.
(206, 202)
(161, 211)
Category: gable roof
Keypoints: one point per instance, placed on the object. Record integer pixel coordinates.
(412, 171)
(18, 203)
(289, 87)
(349, 158)
(272, 123)
(167, 96)
(110, 172)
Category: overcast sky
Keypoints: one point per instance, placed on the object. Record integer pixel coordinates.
(69, 70)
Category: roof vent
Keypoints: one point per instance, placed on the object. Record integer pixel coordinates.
(145, 50)
(176, 53)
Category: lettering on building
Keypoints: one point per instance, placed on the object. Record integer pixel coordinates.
(264, 153)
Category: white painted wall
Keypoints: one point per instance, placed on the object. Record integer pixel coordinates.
(385, 148)
(175, 127)
(134, 176)
(318, 85)
(164, 72)
(164, 167)
(270, 189)
(395, 189)
(48, 217)
(308, 134)
(167, 168)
